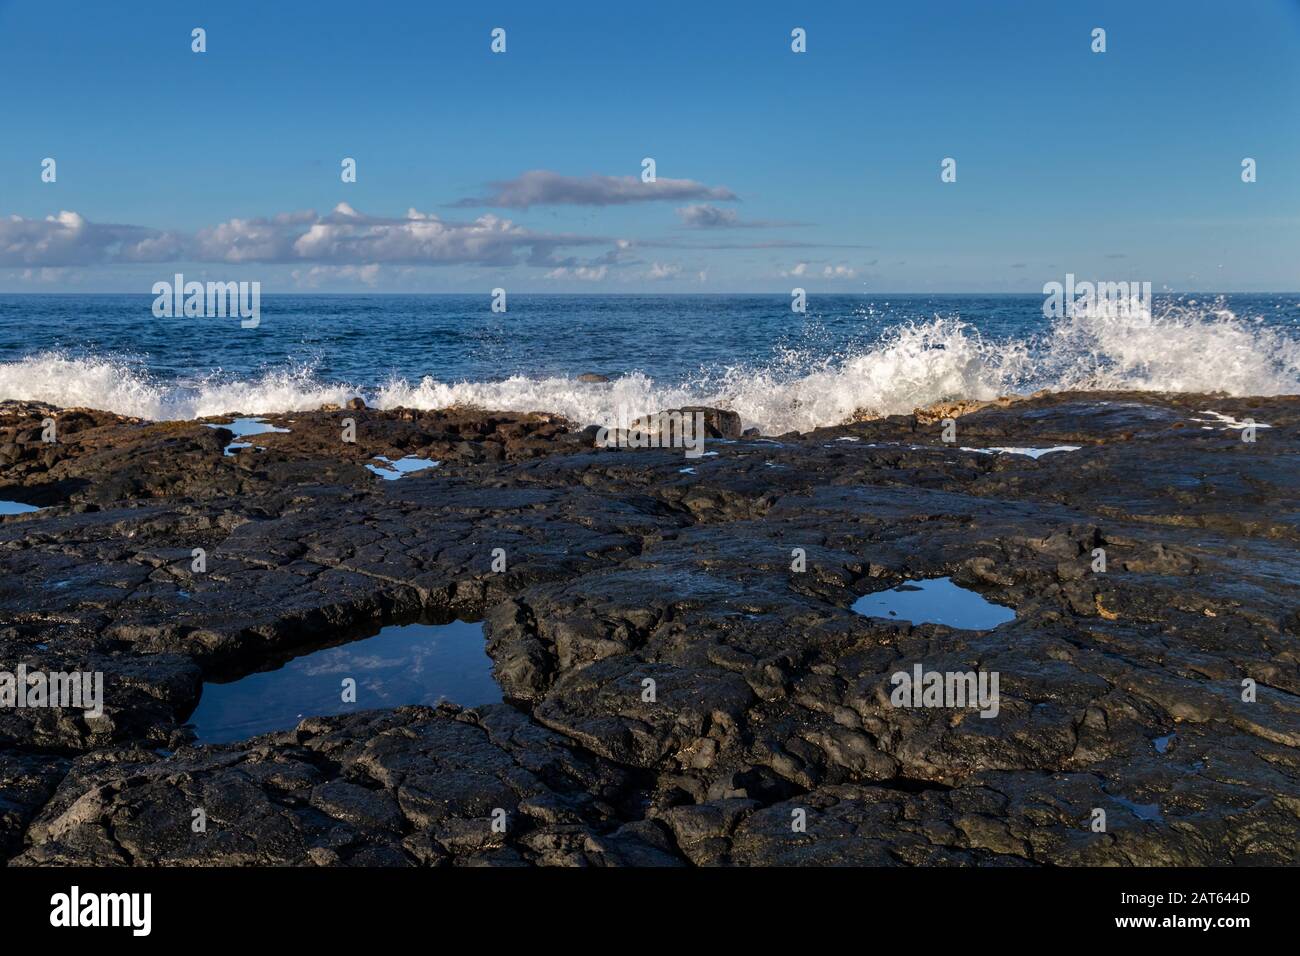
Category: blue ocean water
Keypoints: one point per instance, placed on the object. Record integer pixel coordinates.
(778, 368)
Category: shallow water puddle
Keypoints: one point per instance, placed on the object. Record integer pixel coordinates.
(244, 428)
(934, 601)
(392, 470)
(16, 508)
(1031, 452)
(1227, 422)
(1149, 812)
(402, 664)
(1037, 452)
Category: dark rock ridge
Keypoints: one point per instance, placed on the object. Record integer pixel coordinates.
(1120, 691)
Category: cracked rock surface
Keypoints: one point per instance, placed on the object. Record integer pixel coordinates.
(1163, 692)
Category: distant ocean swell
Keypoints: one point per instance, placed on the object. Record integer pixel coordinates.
(1181, 349)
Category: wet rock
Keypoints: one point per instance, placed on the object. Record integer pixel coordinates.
(718, 422)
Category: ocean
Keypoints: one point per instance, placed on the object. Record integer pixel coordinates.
(780, 370)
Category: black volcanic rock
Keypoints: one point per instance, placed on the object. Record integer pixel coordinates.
(677, 693)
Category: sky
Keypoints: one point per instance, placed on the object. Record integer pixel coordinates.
(773, 169)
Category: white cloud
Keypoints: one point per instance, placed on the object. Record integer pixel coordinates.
(69, 239)
(540, 187)
(313, 277)
(344, 237)
(585, 273)
(704, 216)
(347, 237)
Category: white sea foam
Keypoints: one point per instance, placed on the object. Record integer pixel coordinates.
(917, 364)
(914, 365)
(123, 387)
(1181, 349)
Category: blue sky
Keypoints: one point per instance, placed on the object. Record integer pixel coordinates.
(775, 169)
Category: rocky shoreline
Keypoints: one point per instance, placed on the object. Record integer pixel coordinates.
(1164, 691)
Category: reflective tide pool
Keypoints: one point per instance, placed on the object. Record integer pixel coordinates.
(934, 601)
(402, 664)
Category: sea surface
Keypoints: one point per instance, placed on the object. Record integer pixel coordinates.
(781, 370)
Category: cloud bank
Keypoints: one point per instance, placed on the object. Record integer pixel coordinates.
(342, 237)
(68, 239)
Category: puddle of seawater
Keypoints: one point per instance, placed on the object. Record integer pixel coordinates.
(1030, 452)
(16, 508)
(244, 427)
(1226, 422)
(392, 470)
(402, 664)
(1149, 812)
(934, 601)
(1037, 452)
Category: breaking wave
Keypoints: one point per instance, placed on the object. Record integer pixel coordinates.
(124, 387)
(1179, 349)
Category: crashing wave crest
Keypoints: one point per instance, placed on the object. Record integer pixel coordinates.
(1180, 349)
